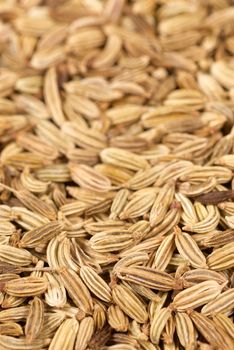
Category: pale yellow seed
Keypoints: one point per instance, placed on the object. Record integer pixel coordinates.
(197, 295)
(65, 335)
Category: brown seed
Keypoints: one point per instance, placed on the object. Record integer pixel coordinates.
(95, 283)
(223, 303)
(129, 303)
(25, 286)
(116, 174)
(35, 319)
(148, 277)
(215, 197)
(41, 234)
(77, 290)
(11, 328)
(209, 331)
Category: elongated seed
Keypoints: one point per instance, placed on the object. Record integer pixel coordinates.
(197, 295)
(129, 303)
(185, 329)
(223, 303)
(189, 250)
(76, 289)
(41, 234)
(147, 277)
(26, 286)
(158, 323)
(95, 283)
(65, 336)
(35, 319)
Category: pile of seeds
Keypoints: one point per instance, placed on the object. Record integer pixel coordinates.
(116, 174)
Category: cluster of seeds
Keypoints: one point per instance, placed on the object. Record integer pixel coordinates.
(116, 174)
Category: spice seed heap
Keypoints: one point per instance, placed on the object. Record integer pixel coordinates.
(116, 174)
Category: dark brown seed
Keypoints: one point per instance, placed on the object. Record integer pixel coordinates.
(215, 197)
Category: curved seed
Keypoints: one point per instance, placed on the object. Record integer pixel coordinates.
(95, 283)
(164, 253)
(65, 335)
(11, 343)
(85, 333)
(189, 249)
(185, 330)
(158, 323)
(196, 276)
(11, 328)
(197, 295)
(129, 303)
(223, 303)
(35, 320)
(76, 289)
(147, 277)
(26, 286)
(40, 235)
(117, 319)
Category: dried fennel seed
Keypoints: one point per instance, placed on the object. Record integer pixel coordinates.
(116, 175)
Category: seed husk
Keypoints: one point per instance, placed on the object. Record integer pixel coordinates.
(215, 197)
